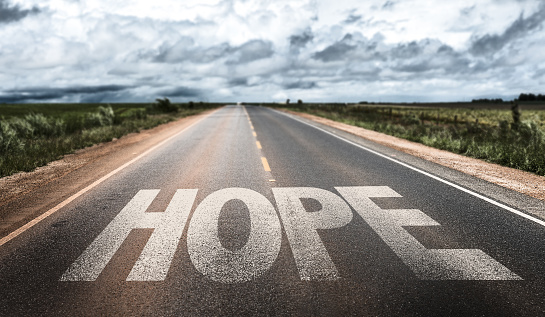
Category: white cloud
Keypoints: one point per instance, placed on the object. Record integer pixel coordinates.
(261, 50)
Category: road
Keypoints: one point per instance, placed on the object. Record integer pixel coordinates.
(250, 211)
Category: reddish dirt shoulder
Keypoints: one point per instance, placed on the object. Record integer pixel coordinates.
(520, 181)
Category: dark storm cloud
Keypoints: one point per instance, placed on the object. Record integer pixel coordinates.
(44, 93)
(176, 53)
(238, 82)
(352, 18)
(427, 57)
(407, 50)
(184, 51)
(299, 41)
(337, 51)
(419, 67)
(251, 51)
(179, 92)
(388, 5)
(430, 56)
(211, 54)
(300, 85)
(374, 60)
(521, 27)
(14, 13)
(445, 49)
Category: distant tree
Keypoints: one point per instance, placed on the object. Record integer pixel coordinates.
(485, 100)
(164, 105)
(287, 101)
(299, 102)
(531, 97)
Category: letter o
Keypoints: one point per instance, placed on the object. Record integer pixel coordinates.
(219, 264)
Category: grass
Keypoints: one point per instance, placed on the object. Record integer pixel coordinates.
(493, 135)
(36, 134)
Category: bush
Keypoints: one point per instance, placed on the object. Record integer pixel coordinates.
(9, 140)
(42, 126)
(23, 128)
(107, 114)
(104, 117)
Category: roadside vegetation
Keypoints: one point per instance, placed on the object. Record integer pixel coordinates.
(32, 135)
(504, 134)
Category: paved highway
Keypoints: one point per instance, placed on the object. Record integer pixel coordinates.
(250, 211)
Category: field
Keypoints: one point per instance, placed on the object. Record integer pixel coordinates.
(32, 135)
(492, 132)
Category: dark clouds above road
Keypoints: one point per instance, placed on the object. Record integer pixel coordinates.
(221, 50)
(11, 13)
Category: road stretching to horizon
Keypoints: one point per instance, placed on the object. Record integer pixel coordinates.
(251, 211)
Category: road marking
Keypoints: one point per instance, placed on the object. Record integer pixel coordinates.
(51, 211)
(234, 266)
(265, 164)
(311, 257)
(427, 264)
(262, 246)
(264, 161)
(468, 191)
(155, 259)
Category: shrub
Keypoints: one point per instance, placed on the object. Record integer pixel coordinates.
(42, 126)
(104, 117)
(107, 114)
(9, 140)
(23, 128)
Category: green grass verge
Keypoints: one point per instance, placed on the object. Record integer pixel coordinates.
(34, 135)
(488, 134)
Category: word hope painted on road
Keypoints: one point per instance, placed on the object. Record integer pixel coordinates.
(263, 245)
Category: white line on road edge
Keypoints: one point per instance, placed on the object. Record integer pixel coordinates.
(41, 217)
(517, 212)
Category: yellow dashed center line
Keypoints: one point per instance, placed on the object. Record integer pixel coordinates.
(265, 164)
(264, 161)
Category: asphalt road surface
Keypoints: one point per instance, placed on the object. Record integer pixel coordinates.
(253, 212)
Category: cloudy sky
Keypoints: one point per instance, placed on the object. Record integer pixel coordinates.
(316, 50)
